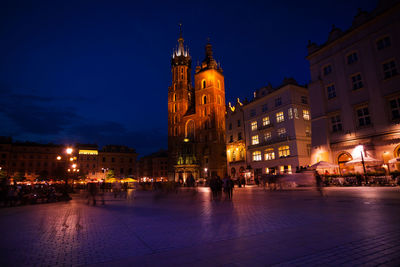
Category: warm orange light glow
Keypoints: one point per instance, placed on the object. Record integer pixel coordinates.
(69, 150)
(73, 165)
(58, 157)
(71, 159)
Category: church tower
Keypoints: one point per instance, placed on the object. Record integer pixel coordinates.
(196, 117)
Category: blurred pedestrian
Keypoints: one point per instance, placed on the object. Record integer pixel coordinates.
(318, 181)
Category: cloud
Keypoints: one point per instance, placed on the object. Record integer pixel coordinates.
(38, 118)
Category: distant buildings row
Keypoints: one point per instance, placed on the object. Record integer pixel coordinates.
(46, 161)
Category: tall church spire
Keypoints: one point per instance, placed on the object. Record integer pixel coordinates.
(181, 50)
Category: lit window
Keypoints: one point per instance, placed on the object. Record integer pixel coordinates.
(356, 82)
(269, 154)
(254, 126)
(352, 58)
(278, 101)
(306, 114)
(256, 155)
(283, 151)
(267, 136)
(296, 113)
(266, 121)
(395, 108)
(383, 43)
(280, 117)
(336, 123)
(254, 140)
(331, 91)
(308, 131)
(281, 132)
(327, 70)
(363, 116)
(389, 69)
(290, 113)
(203, 84)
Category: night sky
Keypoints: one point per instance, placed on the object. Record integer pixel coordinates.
(99, 71)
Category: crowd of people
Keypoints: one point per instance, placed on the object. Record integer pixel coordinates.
(24, 194)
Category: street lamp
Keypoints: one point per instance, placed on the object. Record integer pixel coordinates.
(205, 172)
(69, 150)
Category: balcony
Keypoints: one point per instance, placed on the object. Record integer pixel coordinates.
(273, 140)
(263, 127)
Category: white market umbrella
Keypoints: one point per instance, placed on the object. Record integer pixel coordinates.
(395, 160)
(367, 160)
(324, 165)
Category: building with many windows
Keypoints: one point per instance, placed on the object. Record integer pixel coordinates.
(236, 140)
(355, 90)
(153, 166)
(49, 161)
(275, 131)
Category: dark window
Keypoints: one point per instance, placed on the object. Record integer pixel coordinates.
(265, 108)
(231, 138)
(112, 159)
(3, 156)
(327, 69)
(238, 123)
(230, 126)
(252, 113)
(352, 58)
(389, 69)
(104, 159)
(395, 108)
(363, 116)
(336, 123)
(278, 101)
(331, 91)
(304, 99)
(239, 136)
(383, 43)
(357, 82)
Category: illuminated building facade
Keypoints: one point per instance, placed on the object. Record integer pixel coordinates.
(196, 117)
(49, 161)
(277, 127)
(153, 166)
(235, 140)
(355, 90)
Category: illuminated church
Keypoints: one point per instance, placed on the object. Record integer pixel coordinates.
(196, 117)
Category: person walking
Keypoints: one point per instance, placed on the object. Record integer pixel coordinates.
(318, 181)
(228, 187)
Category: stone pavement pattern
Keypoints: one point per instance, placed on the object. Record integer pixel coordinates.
(350, 226)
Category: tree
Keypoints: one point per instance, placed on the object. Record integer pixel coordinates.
(110, 174)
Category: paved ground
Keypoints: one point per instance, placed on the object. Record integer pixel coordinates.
(350, 226)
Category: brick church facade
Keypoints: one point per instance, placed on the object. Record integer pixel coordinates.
(196, 117)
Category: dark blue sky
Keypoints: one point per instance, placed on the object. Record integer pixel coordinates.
(98, 71)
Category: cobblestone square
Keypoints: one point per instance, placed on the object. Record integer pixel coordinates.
(349, 226)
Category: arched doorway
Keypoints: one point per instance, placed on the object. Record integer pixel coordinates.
(342, 159)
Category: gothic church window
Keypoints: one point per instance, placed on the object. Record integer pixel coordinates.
(203, 84)
(204, 99)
